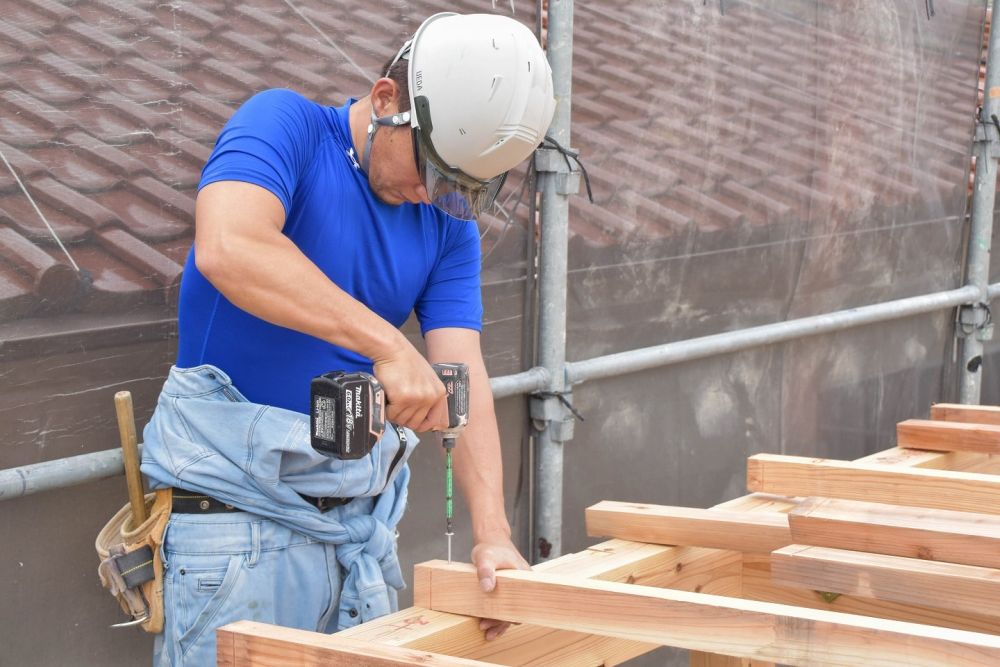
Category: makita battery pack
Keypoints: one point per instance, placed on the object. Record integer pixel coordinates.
(347, 413)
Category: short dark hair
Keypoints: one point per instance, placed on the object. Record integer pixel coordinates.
(400, 74)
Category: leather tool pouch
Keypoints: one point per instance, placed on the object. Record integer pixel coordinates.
(131, 565)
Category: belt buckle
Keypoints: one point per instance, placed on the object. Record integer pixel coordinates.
(326, 504)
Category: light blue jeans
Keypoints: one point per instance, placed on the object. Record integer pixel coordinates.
(221, 568)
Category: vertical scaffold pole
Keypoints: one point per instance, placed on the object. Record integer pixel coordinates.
(974, 322)
(556, 182)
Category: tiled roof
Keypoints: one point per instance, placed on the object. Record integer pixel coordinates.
(108, 109)
(696, 122)
(692, 124)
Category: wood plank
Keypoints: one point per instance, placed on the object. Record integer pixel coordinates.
(686, 568)
(917, 458)
(960, 588)
(758, 585)
(728, 626)
(970, 414)
(937, 489)
(945, 436)
(254, 644)
(755, 502)
(715, 528)
(958, 537)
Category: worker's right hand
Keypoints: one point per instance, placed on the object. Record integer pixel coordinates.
(414, 395)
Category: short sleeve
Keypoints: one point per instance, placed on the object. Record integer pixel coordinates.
(268, 142)
(453, 296)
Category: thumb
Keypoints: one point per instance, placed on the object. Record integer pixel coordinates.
(486, 570)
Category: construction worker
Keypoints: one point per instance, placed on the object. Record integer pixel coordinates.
(318, 231)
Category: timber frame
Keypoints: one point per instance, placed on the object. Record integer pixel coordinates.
(891, 560)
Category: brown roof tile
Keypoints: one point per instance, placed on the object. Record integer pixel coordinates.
(52, 280)
(25, 40)
(101, 40)
(51, 9)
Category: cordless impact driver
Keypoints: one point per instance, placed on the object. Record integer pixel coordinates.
(347, 418)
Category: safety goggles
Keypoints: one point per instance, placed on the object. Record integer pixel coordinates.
(450, 190)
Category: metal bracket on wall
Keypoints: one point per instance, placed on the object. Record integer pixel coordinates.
(976, 318)
(549, 407)
(551, 161)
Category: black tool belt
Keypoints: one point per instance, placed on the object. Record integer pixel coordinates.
(191, 502)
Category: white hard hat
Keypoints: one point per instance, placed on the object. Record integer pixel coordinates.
(481, 101)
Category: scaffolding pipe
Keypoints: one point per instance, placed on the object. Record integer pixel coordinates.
(554, 183)
(60, 473)
(974, 320)
(768, 334)
(531, 380)
(73, 470)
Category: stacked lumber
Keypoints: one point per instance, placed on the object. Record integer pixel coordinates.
(890, 560)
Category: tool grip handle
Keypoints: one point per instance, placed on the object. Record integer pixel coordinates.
(130, 456)
(455, 378)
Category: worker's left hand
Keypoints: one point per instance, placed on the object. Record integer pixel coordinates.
(489, 556)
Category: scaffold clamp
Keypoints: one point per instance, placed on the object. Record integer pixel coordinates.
(556, 409)
(975, 319)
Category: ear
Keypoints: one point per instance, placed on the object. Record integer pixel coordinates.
(385, 96)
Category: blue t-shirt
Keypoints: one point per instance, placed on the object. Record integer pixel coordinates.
(393, 259)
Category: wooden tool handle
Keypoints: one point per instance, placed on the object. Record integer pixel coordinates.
(130, 455)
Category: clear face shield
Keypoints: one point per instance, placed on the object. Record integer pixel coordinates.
(451, 190)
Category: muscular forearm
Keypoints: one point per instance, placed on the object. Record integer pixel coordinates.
(477, 456)
(479, 470)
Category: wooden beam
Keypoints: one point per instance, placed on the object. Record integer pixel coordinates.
(970, 414)
(979, 414)
(253, 644)
(943, 436)
(917, 458)
(728, 626)
(938, 489)
(715, 528)
(758, 585)
(942, 535)
(757, 502)
(685, 568)
(961, 588)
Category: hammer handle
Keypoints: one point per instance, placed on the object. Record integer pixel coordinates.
(130, 456)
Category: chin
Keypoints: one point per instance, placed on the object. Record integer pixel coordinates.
(389, 198)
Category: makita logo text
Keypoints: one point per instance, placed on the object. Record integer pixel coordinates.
(357, 403)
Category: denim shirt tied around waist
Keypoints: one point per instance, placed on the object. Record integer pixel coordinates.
(206, 437)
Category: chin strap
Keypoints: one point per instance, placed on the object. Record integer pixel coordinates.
(394, 120)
